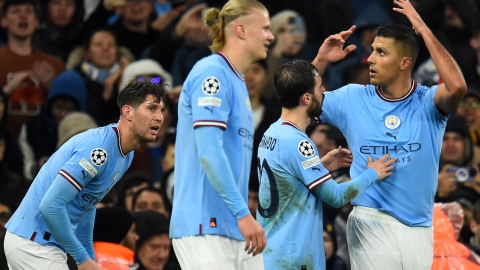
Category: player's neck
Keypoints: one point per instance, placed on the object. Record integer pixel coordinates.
(237, 58)
(396, 90)
(296, 116)
(128, 140)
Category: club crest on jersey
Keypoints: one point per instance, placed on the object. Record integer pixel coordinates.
(392, 122)
(98, 156)
(247, 101)
(211, 86)
(306, 149)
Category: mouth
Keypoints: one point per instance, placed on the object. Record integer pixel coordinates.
(266, 46)
(137, 10)
(154, 129)
(23, 25)
(373, 72)
(469, 121)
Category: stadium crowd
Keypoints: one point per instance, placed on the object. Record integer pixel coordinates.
(63, 63)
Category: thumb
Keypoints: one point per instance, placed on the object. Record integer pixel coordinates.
(370, 159)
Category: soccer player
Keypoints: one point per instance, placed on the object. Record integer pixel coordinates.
(57, 214)
(293, 179)
(391, 224)
(211, 224)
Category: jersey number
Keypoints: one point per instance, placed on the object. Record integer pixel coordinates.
(274, 196)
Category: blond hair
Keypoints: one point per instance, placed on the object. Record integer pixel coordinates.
(217, 20)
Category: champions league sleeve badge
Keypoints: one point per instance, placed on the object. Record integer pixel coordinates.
(392, 122)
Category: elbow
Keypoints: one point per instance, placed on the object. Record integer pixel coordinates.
(459, 89)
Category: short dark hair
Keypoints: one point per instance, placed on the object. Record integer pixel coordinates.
(403, 35)
(9, 3)
(292, 80)
(136, 92)
(148, 189)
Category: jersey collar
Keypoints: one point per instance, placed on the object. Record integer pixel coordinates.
(288, 123)
(117, 132)
(239, 75)
(410, 92)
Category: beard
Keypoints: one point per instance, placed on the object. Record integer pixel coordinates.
(316, 109)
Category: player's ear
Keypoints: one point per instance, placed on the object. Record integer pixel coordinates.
(306, 99)
(406, 63)
(127, 112)
(240, 30)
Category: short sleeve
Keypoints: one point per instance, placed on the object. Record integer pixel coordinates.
(302, 157)
(333, 108)
(86, 162)
(211, 99)
(429, 103)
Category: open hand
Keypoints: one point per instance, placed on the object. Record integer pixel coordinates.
(406, 8)
(332, 48)
(445, 182)
(190, 21)
(383, 165)
(337, 158)
(44, 71)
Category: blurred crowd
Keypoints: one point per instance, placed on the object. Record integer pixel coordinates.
(63, 63)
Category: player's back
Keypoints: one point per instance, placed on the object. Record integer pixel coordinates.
(409, 128)
(289, 167)
(213, 95)
(92, 162)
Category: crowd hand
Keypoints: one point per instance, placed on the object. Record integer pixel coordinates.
(409, 11)
(174, 95)
(337, 158)
(476, 182)
(190, 21)
(332, 48)
(255, 240)
(109, 84)
(44, 72)
(16, 82)
(445, 182)
(89, 264)
(383, 165)
(283, 40)
(161, 22)
(112, 4)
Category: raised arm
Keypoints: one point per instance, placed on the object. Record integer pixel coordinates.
(451, 92)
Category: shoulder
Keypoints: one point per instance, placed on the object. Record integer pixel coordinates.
(422, 89)
(55, 61)
(295, 141)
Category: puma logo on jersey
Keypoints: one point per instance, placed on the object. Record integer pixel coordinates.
(209, 109)
(391, 135)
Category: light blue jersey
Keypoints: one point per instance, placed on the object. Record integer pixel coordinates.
(92, 162)
(214, 95)
(409, 128)
(293, 183)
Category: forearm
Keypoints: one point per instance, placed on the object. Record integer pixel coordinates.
(84, 233)
(217, 167)
(338, 195)
(447, 68)
(321, 65)
(53, 211)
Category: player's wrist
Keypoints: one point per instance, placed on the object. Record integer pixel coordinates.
(243, 213)
(371, 175)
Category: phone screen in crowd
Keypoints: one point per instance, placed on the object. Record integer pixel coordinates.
(463, 174)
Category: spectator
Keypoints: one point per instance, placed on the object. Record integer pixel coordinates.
(133, 29)
(109, 253)
(153, 247)
(470, 110)
(357, 73)
(5, 214)
(146, 69)
(149, 199)
(333, 262)
(101, 67)
(25, 73)
(474, 242)
(472, 70)
(73, 124)
(129, 185)
(59, 27)
(39, 135)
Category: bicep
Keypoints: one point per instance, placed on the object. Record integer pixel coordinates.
(446, 101)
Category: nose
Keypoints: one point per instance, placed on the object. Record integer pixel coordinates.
(270, 36)
(370, 59)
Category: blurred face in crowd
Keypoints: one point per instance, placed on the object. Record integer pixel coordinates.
(323, 144)
(168, 161)
(61, 107)
(129, 193)
(5, 214)
(60, 12)
(328, 245)
(136, 12)
(154, 252)
(147, 119)
(20, 21)
(470, 110)
(130, 239)
(385, 62)
(257, 33)
(255, 80)
(149, 200)
(452, 18)
(453, 148)
(102, 51)
(253, 202)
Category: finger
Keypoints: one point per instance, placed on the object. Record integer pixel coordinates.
(350, 49)
(385, 157)
(370, 159)
(254, 245)
(390, 161)
(247, 243)
(387, 174)
(399, 10)
(259, 246)
(391, 167)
